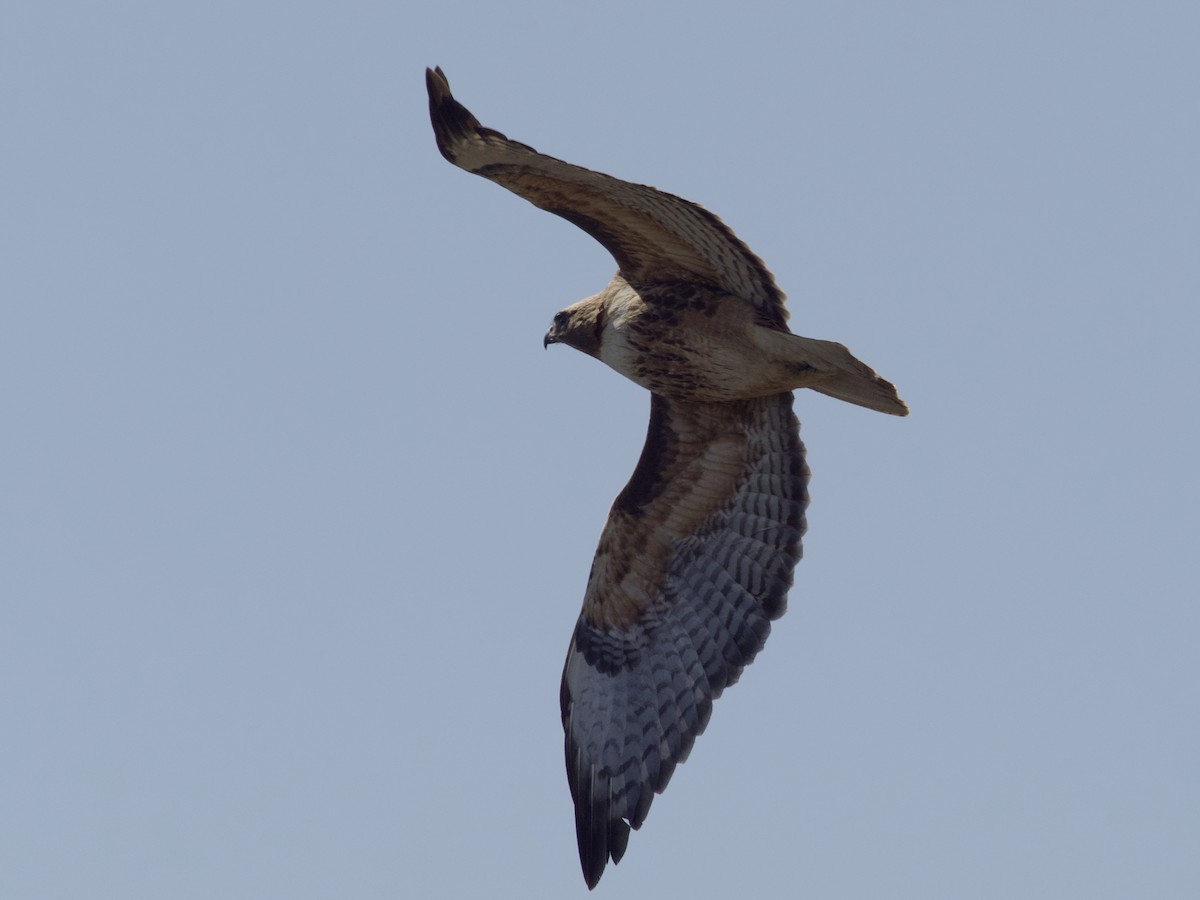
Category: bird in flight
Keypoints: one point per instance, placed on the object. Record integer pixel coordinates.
(696, 558)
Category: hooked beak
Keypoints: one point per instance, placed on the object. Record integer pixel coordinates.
(550, 338)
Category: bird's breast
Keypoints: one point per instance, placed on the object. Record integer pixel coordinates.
(688, 356)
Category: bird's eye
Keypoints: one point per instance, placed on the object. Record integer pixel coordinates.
(560, 318)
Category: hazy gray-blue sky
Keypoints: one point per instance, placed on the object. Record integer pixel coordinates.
(296, 513)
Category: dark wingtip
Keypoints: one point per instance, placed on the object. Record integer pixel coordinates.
(451, 120)
(436, 82)
(601, 835)
(592, 830)
(453, 123)
(591, 819)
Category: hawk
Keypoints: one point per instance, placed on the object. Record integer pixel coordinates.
(696, 557)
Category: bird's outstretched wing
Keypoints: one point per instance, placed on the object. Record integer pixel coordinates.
(693, 564)
(654, 236)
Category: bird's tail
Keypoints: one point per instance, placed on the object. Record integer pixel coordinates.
(839, 374)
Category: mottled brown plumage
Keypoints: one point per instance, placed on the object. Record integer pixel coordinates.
(696, 557)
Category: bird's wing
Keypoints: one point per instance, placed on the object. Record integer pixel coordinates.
(693, 564)
(654, 236)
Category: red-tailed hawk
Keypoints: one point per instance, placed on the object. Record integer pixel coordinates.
(696, 557)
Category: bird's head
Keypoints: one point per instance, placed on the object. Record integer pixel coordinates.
(580, 325)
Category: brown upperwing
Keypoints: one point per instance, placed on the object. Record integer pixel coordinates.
(653, 235)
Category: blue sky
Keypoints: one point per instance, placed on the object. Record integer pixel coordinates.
(297, 512)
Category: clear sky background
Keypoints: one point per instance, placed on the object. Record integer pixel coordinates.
(296, 512)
